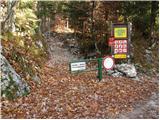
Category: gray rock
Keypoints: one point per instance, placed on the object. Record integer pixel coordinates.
(110, 72)
(39, 44)
(135, 78)
(12, 85)
(137, 65)
(148, 55)
(36, 79)
(117, 74)
(149, 58)
(148, 51)
(128, 69)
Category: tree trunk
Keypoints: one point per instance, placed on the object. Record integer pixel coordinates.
(92, 29)
(9, 17)
(67, 23)
(154, 8)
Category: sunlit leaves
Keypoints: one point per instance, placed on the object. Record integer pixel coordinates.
(63, 95)
(26, 20)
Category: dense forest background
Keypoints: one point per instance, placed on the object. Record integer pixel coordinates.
(23, 24)
(39, 39)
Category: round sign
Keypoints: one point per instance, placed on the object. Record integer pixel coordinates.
(108, 62)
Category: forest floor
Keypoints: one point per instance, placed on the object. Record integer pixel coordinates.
(65, 95)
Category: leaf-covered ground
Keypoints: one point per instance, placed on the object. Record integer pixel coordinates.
(64, 95)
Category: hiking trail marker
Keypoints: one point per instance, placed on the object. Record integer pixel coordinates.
(121, 33)
(120, 49)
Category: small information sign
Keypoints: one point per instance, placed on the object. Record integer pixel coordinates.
(77, 66)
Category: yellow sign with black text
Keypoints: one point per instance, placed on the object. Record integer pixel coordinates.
(120, 32)
(120, 56)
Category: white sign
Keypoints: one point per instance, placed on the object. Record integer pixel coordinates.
(108, 62)
(77, 66)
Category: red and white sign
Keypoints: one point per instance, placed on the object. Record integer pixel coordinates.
(120, 46)
(108, 62)
(111, 41)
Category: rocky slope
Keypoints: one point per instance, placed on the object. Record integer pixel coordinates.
(12, 85)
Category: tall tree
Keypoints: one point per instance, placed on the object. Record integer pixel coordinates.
(7, 22)
(46, 11)
(154, 12)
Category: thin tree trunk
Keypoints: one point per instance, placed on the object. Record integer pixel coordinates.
(9, 17)
(67, 23)
(92, 21)
(154, 7)
(92, 29)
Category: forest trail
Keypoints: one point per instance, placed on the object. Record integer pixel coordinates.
(146, 109)
(49, 90)
(64, 95)
(58, 54)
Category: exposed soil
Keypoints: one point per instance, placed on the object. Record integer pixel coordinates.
(148, 109)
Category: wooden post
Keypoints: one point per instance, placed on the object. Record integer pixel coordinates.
(67, 23)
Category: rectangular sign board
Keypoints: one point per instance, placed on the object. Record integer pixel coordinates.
(77, 66)
(120, 32)
(122, 36)
(120, 56)
(120, 46)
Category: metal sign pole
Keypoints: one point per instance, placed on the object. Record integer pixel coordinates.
(129, 41)
(112, 36)
(99, 69)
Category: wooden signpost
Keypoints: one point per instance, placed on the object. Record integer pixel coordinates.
(122, 36)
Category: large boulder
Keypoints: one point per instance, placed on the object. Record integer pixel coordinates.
(12, 85)
(117, 74)
(120, 70)
(128, 69)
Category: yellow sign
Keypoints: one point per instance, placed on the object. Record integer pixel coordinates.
(120, 56)
(120, 32)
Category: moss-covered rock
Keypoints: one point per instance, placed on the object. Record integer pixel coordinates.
(12, 85)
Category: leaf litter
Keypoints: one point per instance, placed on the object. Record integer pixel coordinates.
(64, 95)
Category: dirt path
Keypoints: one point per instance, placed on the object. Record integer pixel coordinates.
(148, 109)
(58, 53)
(64, 95)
